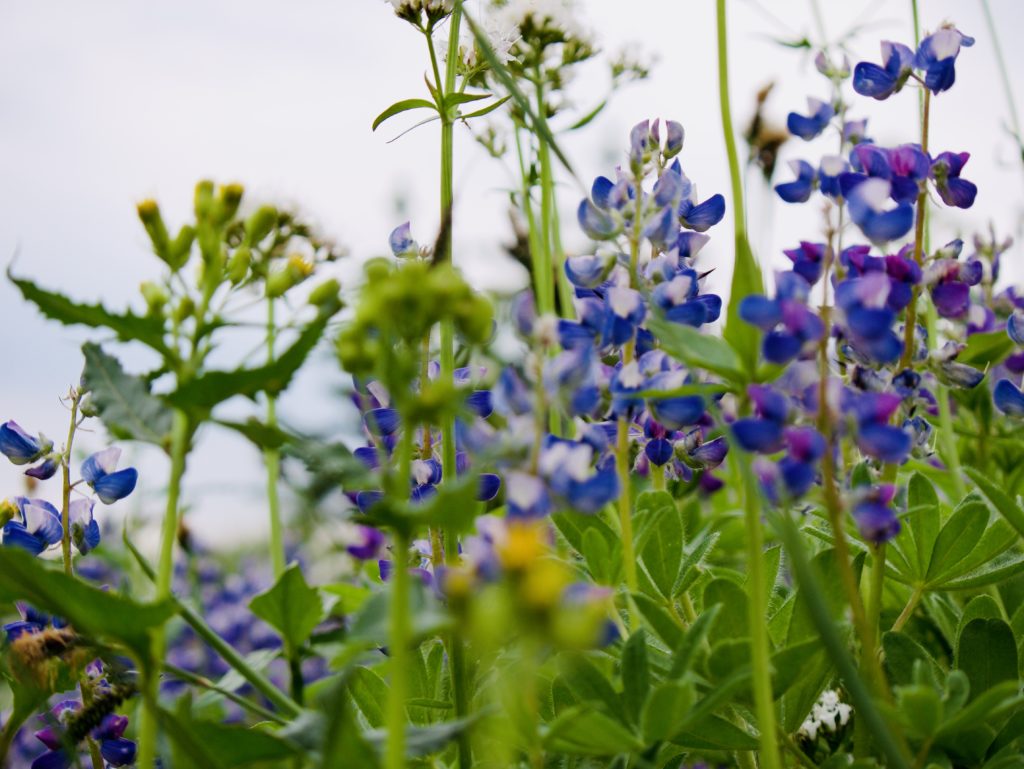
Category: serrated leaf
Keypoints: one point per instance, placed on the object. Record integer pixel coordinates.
(128, 326)
(399, 107)
(697, 349)
(211, 388)
(211, 745)
(124, 402)
(291, 607)
(100, 614)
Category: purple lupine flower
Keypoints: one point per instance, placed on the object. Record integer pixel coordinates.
(580, 479)
(865, 318)
(1008, 398)
(681, 301)
(953, 190)
(763, 433)
(869, 210)
(880, 82)
(876, 520)
(936, 55)
(808, 127)
(807, 259)
(85, 531)
(694, 215)
(791, 328)
(798, 469)
(875, 437)
(110, 484)
(950, 282)
(365, 542)
(799, 190)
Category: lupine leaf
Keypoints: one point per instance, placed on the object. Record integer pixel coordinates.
(715, 733)
(662, 554)
(291, 607)
(124, 402)
(399, 107)
(128, 326)
(370, 693)
(1006, 506)
(581, 730)
(697, 349)
(998, 570)
(924, 521)
(665, 708)
(96, 613)
(635, 674)
(986, 349)
(746, 280)
(957, 538)
(987, 653)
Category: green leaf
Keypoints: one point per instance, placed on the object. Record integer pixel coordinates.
(1001, 501)
(986, 349)
(583, 731)
(659, 620)
(207, 390)
(998, 570)
(733, 621)
(901, 652)
(124, 403)
(424, 740)
(924, 520)
(987, 653)
(744, 338)
(921, 708)
(666, 708)
(454, 99)
(484, 110)
(830, 587)
(370, 694)
(696, 349)
(715, 733)
(402, 106)
(291, 607)
(695, 638)
(128, 326)
(662, 555)
(985, 707)
(587, 118)
(957, 538)
(693, 564)
(99, 614)
(588, 683)
(210, 745)
(261, 435)
(635, 674)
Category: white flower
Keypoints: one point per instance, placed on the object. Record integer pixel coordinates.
(828, 714)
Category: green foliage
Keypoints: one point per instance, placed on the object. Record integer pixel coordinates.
(291, 607)
(124, 402)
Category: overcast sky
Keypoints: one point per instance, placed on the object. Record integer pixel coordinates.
(105, 103)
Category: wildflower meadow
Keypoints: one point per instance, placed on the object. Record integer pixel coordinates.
(626, 518)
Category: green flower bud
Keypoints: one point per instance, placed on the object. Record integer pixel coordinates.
(259, 225)
(292, 274)
(149, 213)
(204, 199)
(184, 309)
(156, 296)
(238, 264)
(181, 247)
(475, 321)
(326, 293)
(8, 512)
(229, 198)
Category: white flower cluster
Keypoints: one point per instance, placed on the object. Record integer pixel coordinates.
(828, 714)
(552, 14)
(416, 6)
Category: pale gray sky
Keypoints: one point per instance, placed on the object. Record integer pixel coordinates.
(105, 103)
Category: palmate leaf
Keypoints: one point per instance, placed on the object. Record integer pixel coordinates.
(291, 607)
(128, 326)
(1006, 506)
(986, 349)
(125, 404)
(100, 614)
(201, 394)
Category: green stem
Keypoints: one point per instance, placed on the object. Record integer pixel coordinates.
(908, 610)
(626, 518)
(658, 477)
(760, 656)
(546, 283)
(272, 459)
(181, 433)
(735, 178)
(922, 211)
(10, 731)
(205, 683)
(65, 513)
(398, 642)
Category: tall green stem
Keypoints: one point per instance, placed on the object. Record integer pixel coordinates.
(272, 459)
(65, 513)
(760, 656)
(922, 211)
(181, 435)
(759, 649)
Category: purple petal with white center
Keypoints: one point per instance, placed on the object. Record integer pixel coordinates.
(99, 464)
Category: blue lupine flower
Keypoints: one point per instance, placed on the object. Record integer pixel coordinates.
(692, 214)
(873, 433)
(799, 190)
(807, 260)
(626, 382)
(950, 282)
(809, 126)
(626, 312)
(38, 528)
(364, 542)
(1008, 398)
(763, 433)
(804, 448)
(20, 447)
(597, 223)
(705, 455)
(589, 271)
(953, 190)
(32, 621)
(1015, 327)
(110, 484)
(573, 475)
(936, 55)
(950, 372)
(903, 272)
(791, 328)
(526, 496)
(682, 303)
(44, 471)
(674, 135)
(675, 412)
(831, 172)
(905, 167)
(855, 131)
(880, 82)
(401, 241)
(85, 531)
(876, 520)
(867, 203)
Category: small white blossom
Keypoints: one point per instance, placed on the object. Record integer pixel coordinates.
(827, 715)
